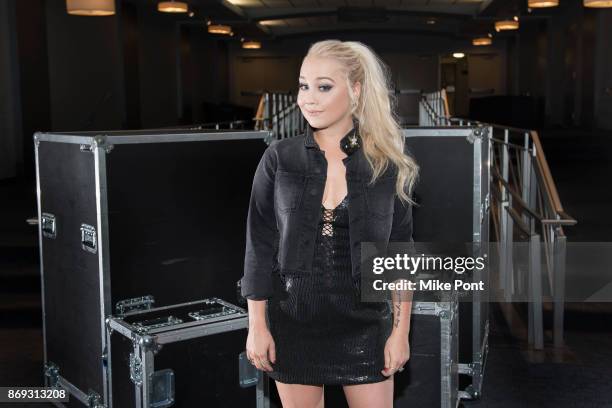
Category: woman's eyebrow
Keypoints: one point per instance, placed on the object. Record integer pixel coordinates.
(320, 78)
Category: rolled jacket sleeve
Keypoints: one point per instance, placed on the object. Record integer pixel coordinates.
(401, 231)
(261, 230)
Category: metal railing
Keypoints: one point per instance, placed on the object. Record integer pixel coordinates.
(280, 114)
(525, 203)
(433, 109)
(224, 125)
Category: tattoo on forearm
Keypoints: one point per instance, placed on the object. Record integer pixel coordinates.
(396, 321)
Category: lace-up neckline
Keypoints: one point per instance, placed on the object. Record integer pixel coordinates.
(328, 217)
(333, 209)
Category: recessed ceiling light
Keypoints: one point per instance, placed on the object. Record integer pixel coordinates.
(506, 25)
(598, 3)
(482, 41)
(91, 8)
(251, 45)
(172, 6)
(542, 3)
(272, 22)
(220, 29)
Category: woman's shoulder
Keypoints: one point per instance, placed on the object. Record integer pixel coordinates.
(285, 154)
(289, 141)
(287, 146)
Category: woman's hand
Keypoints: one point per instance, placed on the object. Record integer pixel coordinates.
(397, 353)
(260, 348)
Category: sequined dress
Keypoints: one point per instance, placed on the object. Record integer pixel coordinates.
(323, 333)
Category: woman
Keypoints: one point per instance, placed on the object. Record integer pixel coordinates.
(315, 197)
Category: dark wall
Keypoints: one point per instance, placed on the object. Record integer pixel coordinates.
(158, 68)
(33, 87)
(603, 71)
(563, 60)
(10, 151)
(85, 70)
(74, 73)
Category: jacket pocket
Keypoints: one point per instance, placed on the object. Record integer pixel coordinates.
(288, 190)
(380, 197)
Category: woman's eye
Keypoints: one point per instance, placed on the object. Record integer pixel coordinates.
(323, 88)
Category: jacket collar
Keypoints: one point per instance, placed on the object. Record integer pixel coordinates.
(350, 143)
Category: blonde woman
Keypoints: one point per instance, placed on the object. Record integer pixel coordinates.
(347, 179)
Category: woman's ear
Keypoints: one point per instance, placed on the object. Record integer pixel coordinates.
(357, 89)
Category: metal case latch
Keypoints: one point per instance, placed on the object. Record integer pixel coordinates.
(52, 374)
(89, 239)
(135, 369)
(247, 372)
(48, 225)
(139, 303)
(162, 389)
(94, 400)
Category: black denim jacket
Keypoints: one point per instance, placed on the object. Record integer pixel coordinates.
(286, 202)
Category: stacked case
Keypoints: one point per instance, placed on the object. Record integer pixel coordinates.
(134, 220)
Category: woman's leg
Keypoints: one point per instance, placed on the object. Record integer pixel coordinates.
(374, 395)
(300, 395)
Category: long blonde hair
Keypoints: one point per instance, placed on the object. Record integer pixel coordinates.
(381, 134)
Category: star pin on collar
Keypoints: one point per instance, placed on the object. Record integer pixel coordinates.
(351, 142)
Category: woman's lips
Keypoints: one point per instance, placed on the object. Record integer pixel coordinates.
(313, 113)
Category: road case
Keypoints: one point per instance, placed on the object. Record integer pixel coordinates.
(431, 377)
(132, 219)
(183, 356)
(453, 198)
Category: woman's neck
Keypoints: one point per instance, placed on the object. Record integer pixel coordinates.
(332, 135)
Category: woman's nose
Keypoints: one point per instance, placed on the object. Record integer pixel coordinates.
(308, 100)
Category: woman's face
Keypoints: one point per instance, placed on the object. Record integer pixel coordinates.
(323, 95)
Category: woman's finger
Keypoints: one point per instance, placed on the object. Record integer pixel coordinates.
(265, 364)
(387, 359)
(272, 352)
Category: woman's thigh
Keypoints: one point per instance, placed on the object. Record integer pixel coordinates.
(372, 395)
(300, 395)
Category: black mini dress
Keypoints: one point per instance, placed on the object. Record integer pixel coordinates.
(323, 333)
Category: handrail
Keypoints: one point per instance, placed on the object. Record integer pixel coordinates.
(516, 195)
(280, 114)
(548, 180)
(542, 165)
(522, 191)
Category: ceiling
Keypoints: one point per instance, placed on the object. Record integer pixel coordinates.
(453, 18)
(270, 19)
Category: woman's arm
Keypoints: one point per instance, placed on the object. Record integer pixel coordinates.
(397, 347)
(402, 309)
(260, 346)
(261, 231)
(261, 240)
(401, 231)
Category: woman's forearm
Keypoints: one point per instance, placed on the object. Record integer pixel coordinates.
(257, 313)
(402, 308)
